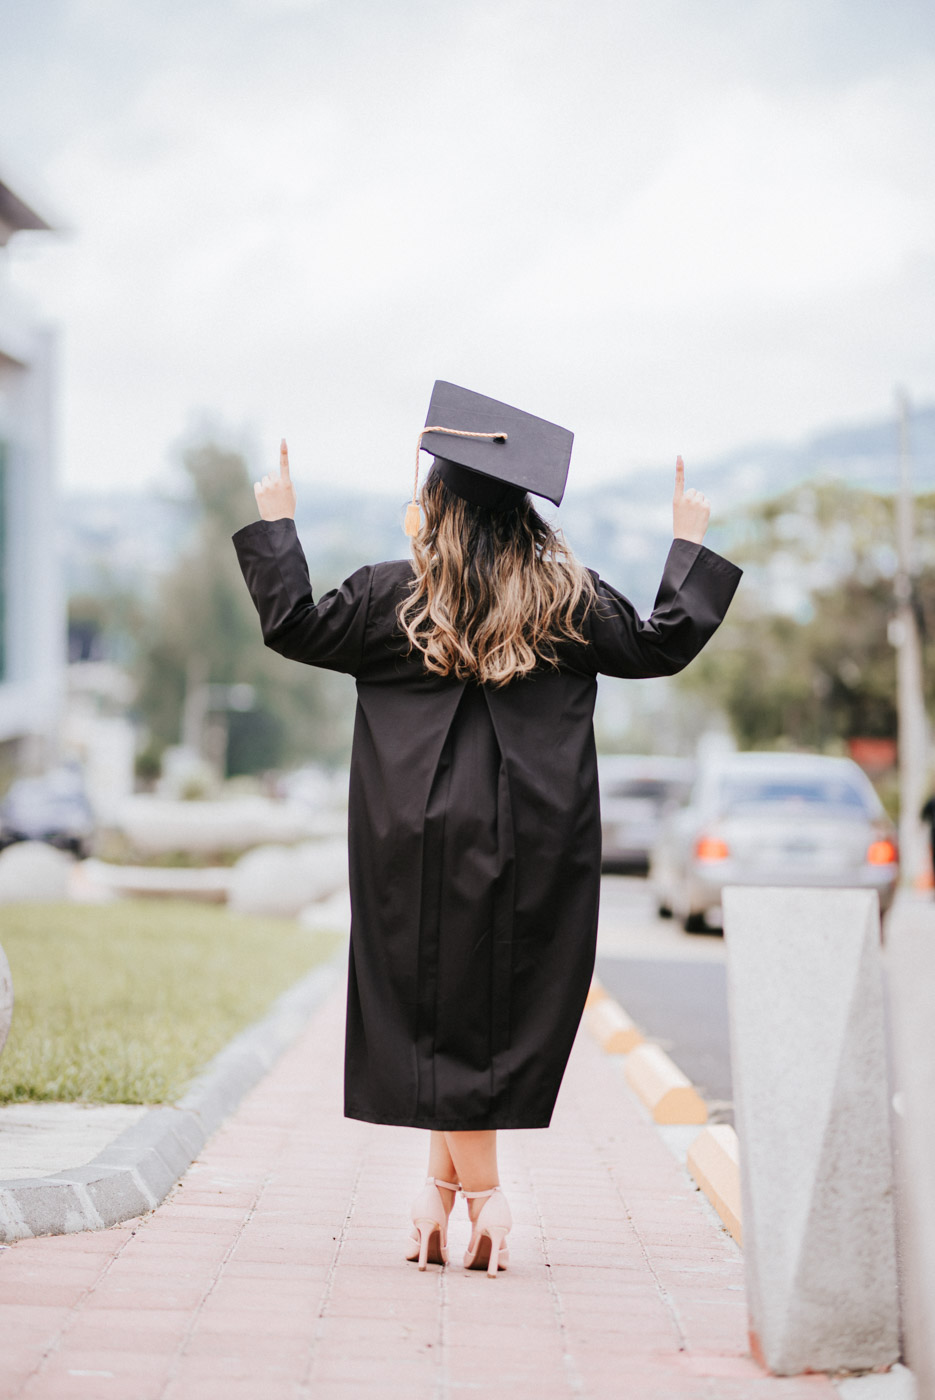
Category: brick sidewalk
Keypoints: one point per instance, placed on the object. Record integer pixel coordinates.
(275, 1269)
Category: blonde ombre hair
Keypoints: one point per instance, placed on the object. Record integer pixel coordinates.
(494, 591)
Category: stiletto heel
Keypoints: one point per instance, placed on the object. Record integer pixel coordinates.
(427, 1229)
(428, 1243)
(487, 1249)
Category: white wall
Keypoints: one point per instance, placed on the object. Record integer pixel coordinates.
(32, 688)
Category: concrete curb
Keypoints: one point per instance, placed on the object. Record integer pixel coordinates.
(713, 1158)
(140, 1167)
(714, 1162)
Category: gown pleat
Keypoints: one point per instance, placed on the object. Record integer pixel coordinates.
(465, 928)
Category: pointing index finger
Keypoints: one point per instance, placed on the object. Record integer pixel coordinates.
(679, 478)
(284, 461)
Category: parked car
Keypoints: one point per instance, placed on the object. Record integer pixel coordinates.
(636, 792)
(772, 819)
(53, 808)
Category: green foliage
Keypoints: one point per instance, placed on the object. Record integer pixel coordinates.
(204, 628)
(125, 1003)
(803, 657)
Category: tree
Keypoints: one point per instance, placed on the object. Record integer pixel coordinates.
(204, 629)
(803, 656)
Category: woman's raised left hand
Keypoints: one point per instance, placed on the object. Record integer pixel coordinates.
(275, 495)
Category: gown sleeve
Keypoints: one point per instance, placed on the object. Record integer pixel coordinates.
(695, 593)
(329, 633)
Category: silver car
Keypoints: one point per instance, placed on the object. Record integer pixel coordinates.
(772, 819)
(636, 793)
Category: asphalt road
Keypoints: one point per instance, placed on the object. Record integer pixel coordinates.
(671, 983)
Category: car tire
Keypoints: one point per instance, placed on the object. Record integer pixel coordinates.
(663, 910)
(694, 923)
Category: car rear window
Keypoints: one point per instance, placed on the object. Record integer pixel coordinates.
(792, 791)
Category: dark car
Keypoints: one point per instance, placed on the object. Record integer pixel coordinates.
(637, 791)
(53, 808)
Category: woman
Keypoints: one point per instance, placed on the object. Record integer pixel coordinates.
(474, 816)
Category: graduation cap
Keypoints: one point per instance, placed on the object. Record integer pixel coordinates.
(489, 453)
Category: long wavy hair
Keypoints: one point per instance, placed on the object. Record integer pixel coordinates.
(494, 592)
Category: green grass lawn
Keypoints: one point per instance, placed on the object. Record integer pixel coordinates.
(125, 1002)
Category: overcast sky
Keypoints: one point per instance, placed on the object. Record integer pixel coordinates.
(671, 225)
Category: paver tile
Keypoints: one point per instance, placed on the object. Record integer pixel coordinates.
(145, 1292)
(85, 1241)
(35, 1292)
(263, 1387)
(289, 1322)
(242, 1365)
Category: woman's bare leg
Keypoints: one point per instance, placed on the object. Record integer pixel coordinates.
(442, 1166)
(474, 1156)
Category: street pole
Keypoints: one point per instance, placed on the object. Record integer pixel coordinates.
(913, 726)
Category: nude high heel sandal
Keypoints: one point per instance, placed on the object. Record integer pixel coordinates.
(487, 1249)
(428, 1242)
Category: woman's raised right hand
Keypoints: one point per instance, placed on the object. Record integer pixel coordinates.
(691, 511)
(275, 495)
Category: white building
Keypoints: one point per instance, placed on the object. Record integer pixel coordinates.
(32, 603)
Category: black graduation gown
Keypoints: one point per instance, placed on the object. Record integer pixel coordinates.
(474, 833)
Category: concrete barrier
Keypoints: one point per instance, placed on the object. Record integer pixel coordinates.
(808, 1059)
(154, 825)
(663, 1088)
(714, 1162)
(207, 886)
(911, 967)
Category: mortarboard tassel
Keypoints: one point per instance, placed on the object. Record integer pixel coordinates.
(413, 518)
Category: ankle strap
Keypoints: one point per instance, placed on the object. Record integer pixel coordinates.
(448, 1185)
(475, 1195)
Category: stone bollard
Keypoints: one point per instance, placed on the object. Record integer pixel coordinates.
(283, 880)
(33, 870)
(911, 966)
(804, 976)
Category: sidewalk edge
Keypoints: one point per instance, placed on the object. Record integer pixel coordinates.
(713, 1159)
(136, 1171)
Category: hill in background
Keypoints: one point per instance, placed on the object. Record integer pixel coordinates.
(620, 528)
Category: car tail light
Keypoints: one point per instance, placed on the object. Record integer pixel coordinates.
(711, 848)
(882, 852)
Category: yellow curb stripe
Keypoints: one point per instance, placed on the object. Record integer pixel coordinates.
(609, 1024)
(654, 1078)
(668, 1094)
(714, 1162)
(596, 993)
